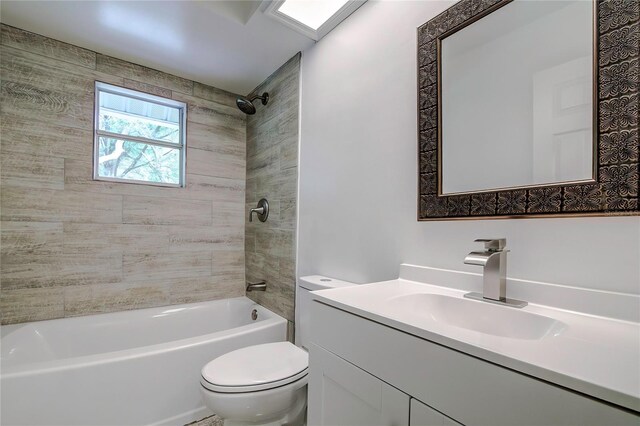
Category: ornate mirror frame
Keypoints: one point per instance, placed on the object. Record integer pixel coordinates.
(615, 190)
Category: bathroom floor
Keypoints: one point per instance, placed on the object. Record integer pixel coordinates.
(207, 421)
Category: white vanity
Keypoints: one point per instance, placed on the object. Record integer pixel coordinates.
(407, 352)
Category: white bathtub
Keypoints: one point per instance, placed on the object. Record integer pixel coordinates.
(137, 367)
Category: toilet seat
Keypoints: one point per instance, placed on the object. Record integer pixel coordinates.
(256, 368)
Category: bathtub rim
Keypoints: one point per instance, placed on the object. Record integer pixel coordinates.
(16, 326)
(62, 364)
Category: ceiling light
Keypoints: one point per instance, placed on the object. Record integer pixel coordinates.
(312, 13)
(313, 18)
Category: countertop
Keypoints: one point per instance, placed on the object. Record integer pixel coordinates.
(594, 355)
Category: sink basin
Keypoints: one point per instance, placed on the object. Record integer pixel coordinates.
(477, 316)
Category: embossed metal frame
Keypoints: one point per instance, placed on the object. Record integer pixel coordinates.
(616, 70)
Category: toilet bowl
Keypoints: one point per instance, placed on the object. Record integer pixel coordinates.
(258, 385)
(265, 384)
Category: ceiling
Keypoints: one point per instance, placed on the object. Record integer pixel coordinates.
(231, 45)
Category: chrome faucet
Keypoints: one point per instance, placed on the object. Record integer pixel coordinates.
(257, 286)
(493, 259)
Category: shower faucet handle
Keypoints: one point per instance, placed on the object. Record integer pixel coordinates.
(262, 210)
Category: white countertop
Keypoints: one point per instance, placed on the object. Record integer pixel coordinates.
(595, 355)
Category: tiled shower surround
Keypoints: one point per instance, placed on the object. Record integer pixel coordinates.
(272, 173)
(73, 246)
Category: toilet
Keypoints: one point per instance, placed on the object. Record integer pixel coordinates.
(266, 384)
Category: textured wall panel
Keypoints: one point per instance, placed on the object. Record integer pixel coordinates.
(272, 161)
(74, 246)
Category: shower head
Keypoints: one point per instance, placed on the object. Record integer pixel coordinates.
(247, 106)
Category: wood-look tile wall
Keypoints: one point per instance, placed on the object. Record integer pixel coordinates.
(272, 173)
(73, 246)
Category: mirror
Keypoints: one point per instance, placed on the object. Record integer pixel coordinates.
(516, 97)
(520, 106)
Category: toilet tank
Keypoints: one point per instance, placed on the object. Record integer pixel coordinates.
(303, 308)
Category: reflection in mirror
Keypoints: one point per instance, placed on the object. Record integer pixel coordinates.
(517, 98)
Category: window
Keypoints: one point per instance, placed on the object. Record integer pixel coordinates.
(139, 138)
(313, 18)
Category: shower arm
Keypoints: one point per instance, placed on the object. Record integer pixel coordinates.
(264, 98)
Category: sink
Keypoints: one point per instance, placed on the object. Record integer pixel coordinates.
(477, 316)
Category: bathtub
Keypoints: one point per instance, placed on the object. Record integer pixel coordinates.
(137, 367)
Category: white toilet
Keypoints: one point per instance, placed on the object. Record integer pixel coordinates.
(265, 384)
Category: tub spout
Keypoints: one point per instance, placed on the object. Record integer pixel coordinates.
(257, 286)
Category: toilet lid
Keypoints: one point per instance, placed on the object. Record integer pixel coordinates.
(255, 368)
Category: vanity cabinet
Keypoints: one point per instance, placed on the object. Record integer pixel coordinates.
(347, 395)
(344, 394)
(363, 372)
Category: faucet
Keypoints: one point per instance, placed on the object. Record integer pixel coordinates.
(493, 259)
(257, 286)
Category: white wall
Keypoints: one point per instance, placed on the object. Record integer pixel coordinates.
(358, 174)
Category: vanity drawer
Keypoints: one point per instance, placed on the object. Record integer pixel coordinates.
(467, 389)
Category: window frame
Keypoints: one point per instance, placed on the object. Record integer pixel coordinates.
(101, 87)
